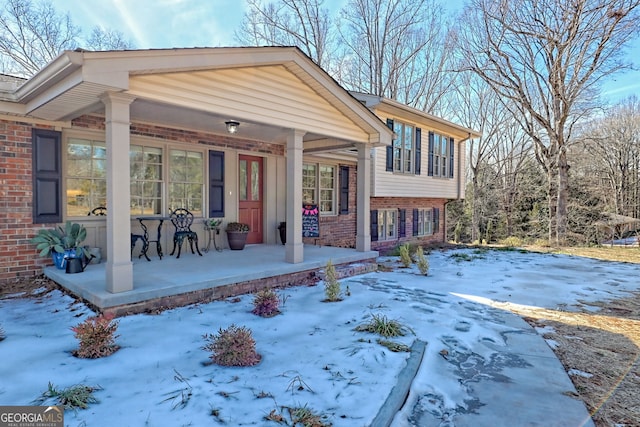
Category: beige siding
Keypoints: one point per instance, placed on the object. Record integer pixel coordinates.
(269, 94)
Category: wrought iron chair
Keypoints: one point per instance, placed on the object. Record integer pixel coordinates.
(102, 211)
(99, 211)
(182, 220)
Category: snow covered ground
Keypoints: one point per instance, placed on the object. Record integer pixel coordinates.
(311, 355)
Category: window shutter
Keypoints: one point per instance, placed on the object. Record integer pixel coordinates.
(415, 222)
(389, 167)
(374, 226)
(431, 148)
(418, 150)
(402, 232)
(47, 176)
(344, 190)
(451, 157)
(436, 220)
(216, 184)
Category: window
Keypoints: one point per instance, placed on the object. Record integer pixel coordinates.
(403, 156)
(186, 181)
(86, 180)
(423, 220)
(387, 224)
(440, 155)
(319, 186)
(146, 180)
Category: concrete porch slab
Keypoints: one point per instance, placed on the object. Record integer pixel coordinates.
(191, 278)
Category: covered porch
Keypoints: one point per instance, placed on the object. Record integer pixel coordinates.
(171, 282)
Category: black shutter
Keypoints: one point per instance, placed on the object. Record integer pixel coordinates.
(418, 150)
(216, 184)
(389, 167)
(402, 232)
(47, 176)
(415, 222)
(431, 148)
(344, 190)
(374, 226)
(451, 157)
(436, 220)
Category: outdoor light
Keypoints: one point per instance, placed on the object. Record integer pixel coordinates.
(232, 126)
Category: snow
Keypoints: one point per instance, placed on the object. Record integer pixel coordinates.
(579, 373)
(311, 355)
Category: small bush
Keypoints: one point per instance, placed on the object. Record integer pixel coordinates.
(233, 346)
(74, 397)
(331, 285)
(405, 257)
(512, 242)
(381, 325)
(97, 337)
(421, 261)
(266, 303)
(542, 243)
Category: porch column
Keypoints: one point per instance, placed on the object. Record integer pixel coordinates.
(119, 268)
(294, 248)
(363, 224)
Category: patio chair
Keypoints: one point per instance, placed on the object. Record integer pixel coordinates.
(102, 211)
(182, 220)
(99, 211)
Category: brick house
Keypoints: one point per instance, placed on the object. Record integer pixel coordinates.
(144, 132)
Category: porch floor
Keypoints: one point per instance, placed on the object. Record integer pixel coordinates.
(192, 274)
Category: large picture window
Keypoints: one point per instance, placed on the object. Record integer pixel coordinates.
(319, 187)
(86, 172)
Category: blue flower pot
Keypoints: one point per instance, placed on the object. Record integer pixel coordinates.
(60, 259)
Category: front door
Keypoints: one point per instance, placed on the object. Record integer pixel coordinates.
(250, 196)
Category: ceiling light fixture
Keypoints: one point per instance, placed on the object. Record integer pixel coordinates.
(232, 126)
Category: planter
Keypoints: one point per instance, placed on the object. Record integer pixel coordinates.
(60, 259)
(237, 240)
(282, 228)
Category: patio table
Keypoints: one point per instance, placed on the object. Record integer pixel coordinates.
(146, 240)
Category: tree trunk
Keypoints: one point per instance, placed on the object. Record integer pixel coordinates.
(563, 196)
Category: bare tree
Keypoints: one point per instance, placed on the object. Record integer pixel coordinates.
(396, 49)
(302, 23)
(34, 33)
(547, 58)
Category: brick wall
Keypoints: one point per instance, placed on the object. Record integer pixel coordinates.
(409, 204)
(18, 257)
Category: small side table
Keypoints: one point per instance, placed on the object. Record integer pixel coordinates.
(212, 232)
(146, 242)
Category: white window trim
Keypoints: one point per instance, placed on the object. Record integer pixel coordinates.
(383, 232)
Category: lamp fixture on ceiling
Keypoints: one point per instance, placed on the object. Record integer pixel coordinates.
(232, 126)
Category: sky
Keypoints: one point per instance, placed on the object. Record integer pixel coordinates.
(313, 357)
(211, 23)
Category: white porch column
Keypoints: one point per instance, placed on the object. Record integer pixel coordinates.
(363, 224)
(294, 248)
(119, 268)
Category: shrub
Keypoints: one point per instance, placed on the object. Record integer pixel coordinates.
(233, 346)
(381, 325)
(405, 257)
(77, 396)
(97, 337)
(511, 241)
(331, 284)
(265, 303)
(421, 261)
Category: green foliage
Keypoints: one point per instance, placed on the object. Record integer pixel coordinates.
(61, 239)
(265, 303)
(74, 397)
(421, 261)
(332, 290)
(405, 257)
(233, 346)
(381, 325)
(97, 337)
(238, 227)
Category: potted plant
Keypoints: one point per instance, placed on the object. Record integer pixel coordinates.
(237, 235)
(61, 243)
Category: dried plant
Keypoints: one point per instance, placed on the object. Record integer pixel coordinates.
(265, 303)
(97, 337)
(421, 261)
(2, 334)
(405, 257)
(331, 284)
(233, 346)
(381, 325)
